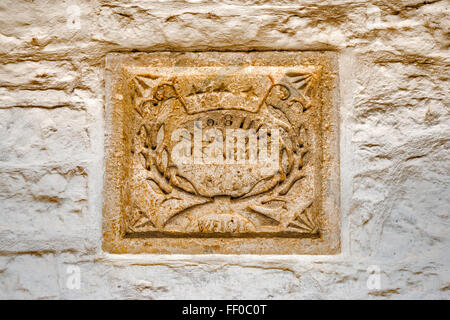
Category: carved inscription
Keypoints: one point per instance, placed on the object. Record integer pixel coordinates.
(221, 151)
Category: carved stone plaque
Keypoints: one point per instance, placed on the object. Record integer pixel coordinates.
(221, 152)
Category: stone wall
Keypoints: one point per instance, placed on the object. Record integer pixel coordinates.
(394, 133)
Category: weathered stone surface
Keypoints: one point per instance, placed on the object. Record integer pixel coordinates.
(30, 278)
(222, 153)
(43, 209)
(394, 84)
(41, 75)
(40, 135)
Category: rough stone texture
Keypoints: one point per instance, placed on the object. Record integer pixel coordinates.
(394, 133)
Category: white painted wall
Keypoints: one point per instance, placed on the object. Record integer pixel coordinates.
(394, 81)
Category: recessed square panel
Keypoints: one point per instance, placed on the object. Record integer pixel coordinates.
(220, 152)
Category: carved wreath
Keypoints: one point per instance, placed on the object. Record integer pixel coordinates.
(283, 105)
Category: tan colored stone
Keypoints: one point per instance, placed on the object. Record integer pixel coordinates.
(229, 106)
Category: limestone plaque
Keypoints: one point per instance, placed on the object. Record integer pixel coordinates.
(221, 152)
